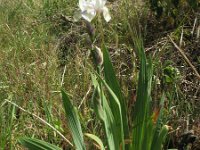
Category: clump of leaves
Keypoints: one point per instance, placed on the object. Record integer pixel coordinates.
(170, 74)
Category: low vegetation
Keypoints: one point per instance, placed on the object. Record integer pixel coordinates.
(127, 79)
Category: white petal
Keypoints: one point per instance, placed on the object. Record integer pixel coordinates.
(82, 4)
(89, 15)
(103, 3)
(98, 5)
(106, 14)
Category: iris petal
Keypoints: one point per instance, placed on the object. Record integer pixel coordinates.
(103, 3)
(106, 14)
(89, 8)
(88, 15)
(98, 4)
(82, 4)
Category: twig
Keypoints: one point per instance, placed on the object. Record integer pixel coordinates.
(195, 94)
(181, 39)
(187, 122)
(178, 128)
(198, 32)
(193, 28)
(84, 98)
(42, 120)
(185, 57)
(63, 76)
(152, 47)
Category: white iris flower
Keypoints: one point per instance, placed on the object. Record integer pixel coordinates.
(89, 9)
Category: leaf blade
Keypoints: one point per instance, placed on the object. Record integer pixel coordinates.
(73, 122)
(36, 144)
(96, 139)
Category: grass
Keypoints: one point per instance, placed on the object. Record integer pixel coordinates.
(38, 40)
(29, 65)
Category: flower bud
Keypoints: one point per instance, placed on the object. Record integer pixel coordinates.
(98, 56)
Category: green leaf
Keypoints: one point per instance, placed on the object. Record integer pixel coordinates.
(110, 126)
(161, 137)
(158, 123)
(73, 122)
(96, 139)
(35, 144)
(142, 121)
(111, 80)
(96, 100)
(148, 135)
(103, 110)
(117, 127)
